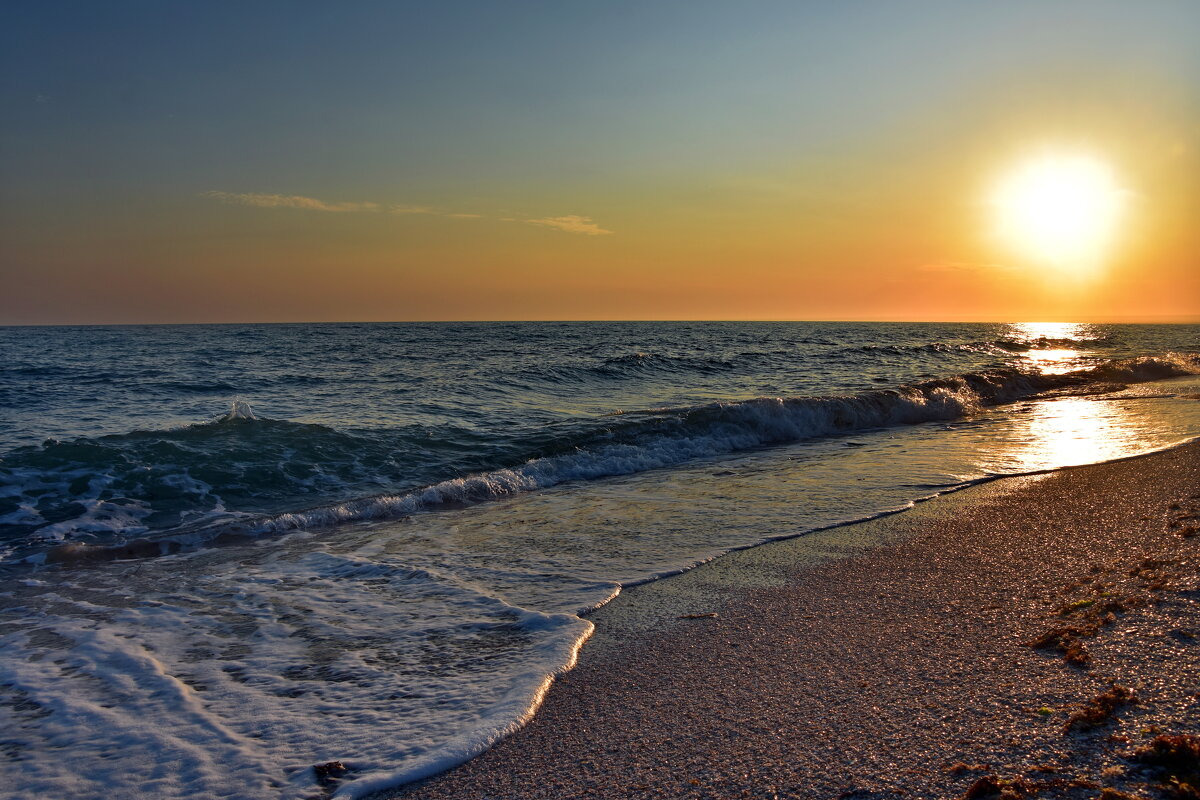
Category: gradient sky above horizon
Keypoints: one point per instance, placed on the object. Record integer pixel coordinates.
(270, 161)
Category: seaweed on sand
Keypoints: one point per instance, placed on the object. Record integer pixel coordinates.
(1100, 709)
(1066, 640)
(1176, 757)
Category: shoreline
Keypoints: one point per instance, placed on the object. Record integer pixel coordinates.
(665, 705)
(942, 492)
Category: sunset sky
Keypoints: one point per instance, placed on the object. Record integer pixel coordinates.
(283, 161)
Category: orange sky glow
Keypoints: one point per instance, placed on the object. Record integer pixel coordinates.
(820, 186)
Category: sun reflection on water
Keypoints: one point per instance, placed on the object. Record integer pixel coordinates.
(1054, 362)
(1031, 331)
(1075, 430)
(1053, 348)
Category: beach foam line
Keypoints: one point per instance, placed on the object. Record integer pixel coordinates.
(127, 693)
(505, 718)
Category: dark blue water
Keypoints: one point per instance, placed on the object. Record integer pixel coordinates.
(232, 552)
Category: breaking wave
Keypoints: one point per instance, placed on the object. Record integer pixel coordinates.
(654, 439)
(111, 504)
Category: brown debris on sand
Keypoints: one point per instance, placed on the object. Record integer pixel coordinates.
(959, 767)
(1183, 519)
(1086, 617)
(1177, 759)
(1100, 709)
(992, 787)
(1066, 640)
(1175, 752)
(986, 787)
(1109, 793)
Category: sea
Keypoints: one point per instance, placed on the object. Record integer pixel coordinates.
(231, 555)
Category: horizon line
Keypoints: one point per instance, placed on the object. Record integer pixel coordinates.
(1163, 320)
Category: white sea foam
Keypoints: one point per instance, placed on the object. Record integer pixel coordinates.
(99, 516)
(239, 409)
(236, 681)
(25, 514)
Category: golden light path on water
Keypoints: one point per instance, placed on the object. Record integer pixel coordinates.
(1077, 430)
(1071, 430)
(1048, 355)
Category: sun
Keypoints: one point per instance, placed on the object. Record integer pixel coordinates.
(1060, 210)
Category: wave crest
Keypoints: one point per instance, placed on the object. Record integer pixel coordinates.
(647, 440)
(239, 409)
(620, 444)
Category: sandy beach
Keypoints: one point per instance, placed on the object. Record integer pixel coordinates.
(924, 654)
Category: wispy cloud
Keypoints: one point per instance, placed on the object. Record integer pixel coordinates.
(288, 201)
(571, 224)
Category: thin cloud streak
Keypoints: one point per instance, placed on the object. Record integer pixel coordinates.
(288, 201)
(571, 224)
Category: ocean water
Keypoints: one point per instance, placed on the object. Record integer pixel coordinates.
(231, 553)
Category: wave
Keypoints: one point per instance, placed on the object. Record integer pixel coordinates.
(624, 444)
(1049, 343)
(639, 364)
(1001, 346)
(1140, 370)
(239, 409)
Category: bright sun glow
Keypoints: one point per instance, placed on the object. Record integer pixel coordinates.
(1059, 210)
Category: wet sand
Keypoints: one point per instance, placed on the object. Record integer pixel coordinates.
(892, 658)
